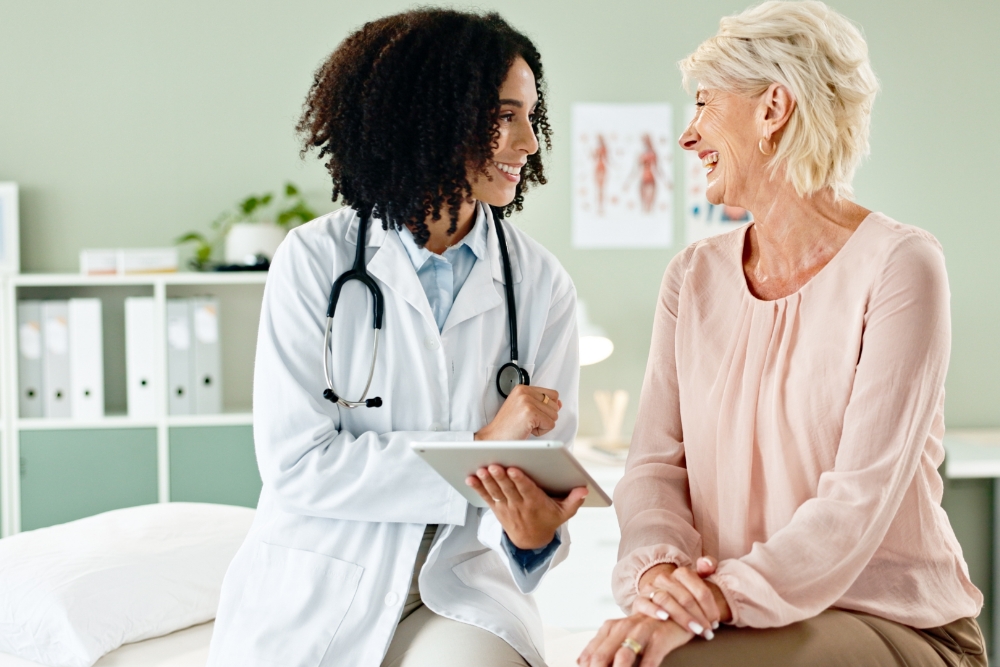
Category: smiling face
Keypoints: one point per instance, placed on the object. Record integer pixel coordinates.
(724, 133)
(516, 140)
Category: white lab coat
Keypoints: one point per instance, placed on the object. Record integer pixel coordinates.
(323, 574)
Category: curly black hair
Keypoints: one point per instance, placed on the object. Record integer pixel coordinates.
(408, 104)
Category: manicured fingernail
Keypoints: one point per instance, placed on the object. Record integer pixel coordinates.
(662, 615)
(709, 635)
(695, 628)
(715, 625)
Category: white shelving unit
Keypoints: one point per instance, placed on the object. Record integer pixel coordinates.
(240, 295)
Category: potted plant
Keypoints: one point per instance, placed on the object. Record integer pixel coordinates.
(250, 232)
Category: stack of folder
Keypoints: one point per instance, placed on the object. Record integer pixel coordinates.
(194, 363)
(61, 359)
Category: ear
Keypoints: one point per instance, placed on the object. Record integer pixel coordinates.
(776, 106)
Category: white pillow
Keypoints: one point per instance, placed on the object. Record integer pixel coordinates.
(73, 592)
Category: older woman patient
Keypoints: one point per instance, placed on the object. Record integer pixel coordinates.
(782, 479)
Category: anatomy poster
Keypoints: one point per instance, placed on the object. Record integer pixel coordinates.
(623, 185)
(702, 219)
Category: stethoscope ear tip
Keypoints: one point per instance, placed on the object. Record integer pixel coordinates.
(374, 402)
(330, 396)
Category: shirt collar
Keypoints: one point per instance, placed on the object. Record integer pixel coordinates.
(475, 240)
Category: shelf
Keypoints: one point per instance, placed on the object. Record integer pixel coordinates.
(113, 421)
(223, 419)
(972, 453)
(181, 278)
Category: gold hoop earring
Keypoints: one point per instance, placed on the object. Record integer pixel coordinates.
(760, 147)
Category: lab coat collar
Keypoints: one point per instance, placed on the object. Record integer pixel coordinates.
(391, 264)
(377, 237)
(479, 294)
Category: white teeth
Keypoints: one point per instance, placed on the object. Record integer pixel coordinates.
(710, 160)
(507, 169)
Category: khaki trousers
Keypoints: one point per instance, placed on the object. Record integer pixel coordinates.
(424, 639)
(838, 639)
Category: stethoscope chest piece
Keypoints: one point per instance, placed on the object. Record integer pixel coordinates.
(510, 376)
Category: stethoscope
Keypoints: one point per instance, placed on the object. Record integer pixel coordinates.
(510, 374)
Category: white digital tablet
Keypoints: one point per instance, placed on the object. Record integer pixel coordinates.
(549, 463)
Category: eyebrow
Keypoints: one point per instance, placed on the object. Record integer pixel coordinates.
(516, 103)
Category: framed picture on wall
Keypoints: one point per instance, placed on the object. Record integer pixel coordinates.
(10, 245)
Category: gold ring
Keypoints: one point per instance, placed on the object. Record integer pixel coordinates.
(632, 645)
(652, 593)
(545, 399)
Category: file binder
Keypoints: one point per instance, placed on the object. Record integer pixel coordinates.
(29, 363)
(55, 359)
(86, 359)
(207, 366)
(179, 361)
(140, 356)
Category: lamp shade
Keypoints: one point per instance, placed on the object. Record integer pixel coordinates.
(595, 345)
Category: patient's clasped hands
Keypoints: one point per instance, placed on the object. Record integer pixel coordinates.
(674, 604)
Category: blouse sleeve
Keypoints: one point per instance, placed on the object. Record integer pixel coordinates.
(898, 391)
(652, 499)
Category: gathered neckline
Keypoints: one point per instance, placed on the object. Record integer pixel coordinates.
(741, 247)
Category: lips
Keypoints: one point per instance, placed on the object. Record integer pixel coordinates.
(511, 172)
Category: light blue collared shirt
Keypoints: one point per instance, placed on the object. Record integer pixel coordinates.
(442, 276)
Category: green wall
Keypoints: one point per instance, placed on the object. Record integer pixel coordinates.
(127, 123)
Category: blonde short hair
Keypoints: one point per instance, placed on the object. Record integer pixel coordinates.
(822, 58)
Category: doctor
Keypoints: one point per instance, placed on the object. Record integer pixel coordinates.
(360, 554)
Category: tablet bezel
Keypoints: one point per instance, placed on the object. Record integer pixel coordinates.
(456, 460)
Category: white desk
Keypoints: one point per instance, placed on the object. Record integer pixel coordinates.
(976, 454)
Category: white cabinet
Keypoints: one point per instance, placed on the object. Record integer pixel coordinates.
(54, 470)
(576, 595)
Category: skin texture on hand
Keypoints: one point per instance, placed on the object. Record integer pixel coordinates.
(529, 516)
(526, 411)
(657, 639)
(683, 595)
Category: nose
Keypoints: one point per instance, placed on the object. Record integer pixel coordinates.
(690, 137)
(524, 138)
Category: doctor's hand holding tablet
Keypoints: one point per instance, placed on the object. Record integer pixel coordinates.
(528, 514)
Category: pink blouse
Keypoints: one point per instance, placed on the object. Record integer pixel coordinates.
(798, 440)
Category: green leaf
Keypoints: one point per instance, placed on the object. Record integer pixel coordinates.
(191, 236)
(291, 190)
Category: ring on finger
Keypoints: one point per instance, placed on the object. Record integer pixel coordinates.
(652, 595)
(632, 645)
(545, 399)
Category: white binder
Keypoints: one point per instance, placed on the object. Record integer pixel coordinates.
(140, 356)
(207, 375)
(86, 359)
(29, 362)
(55, 359)
(179, 361)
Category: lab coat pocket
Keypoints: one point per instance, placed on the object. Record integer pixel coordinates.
(492, 400)
(293, 605)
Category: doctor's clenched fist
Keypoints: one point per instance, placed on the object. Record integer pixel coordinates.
(526, 411)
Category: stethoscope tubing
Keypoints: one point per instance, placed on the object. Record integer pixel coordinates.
(510, 374)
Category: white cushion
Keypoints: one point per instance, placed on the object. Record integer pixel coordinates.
(71, 593)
